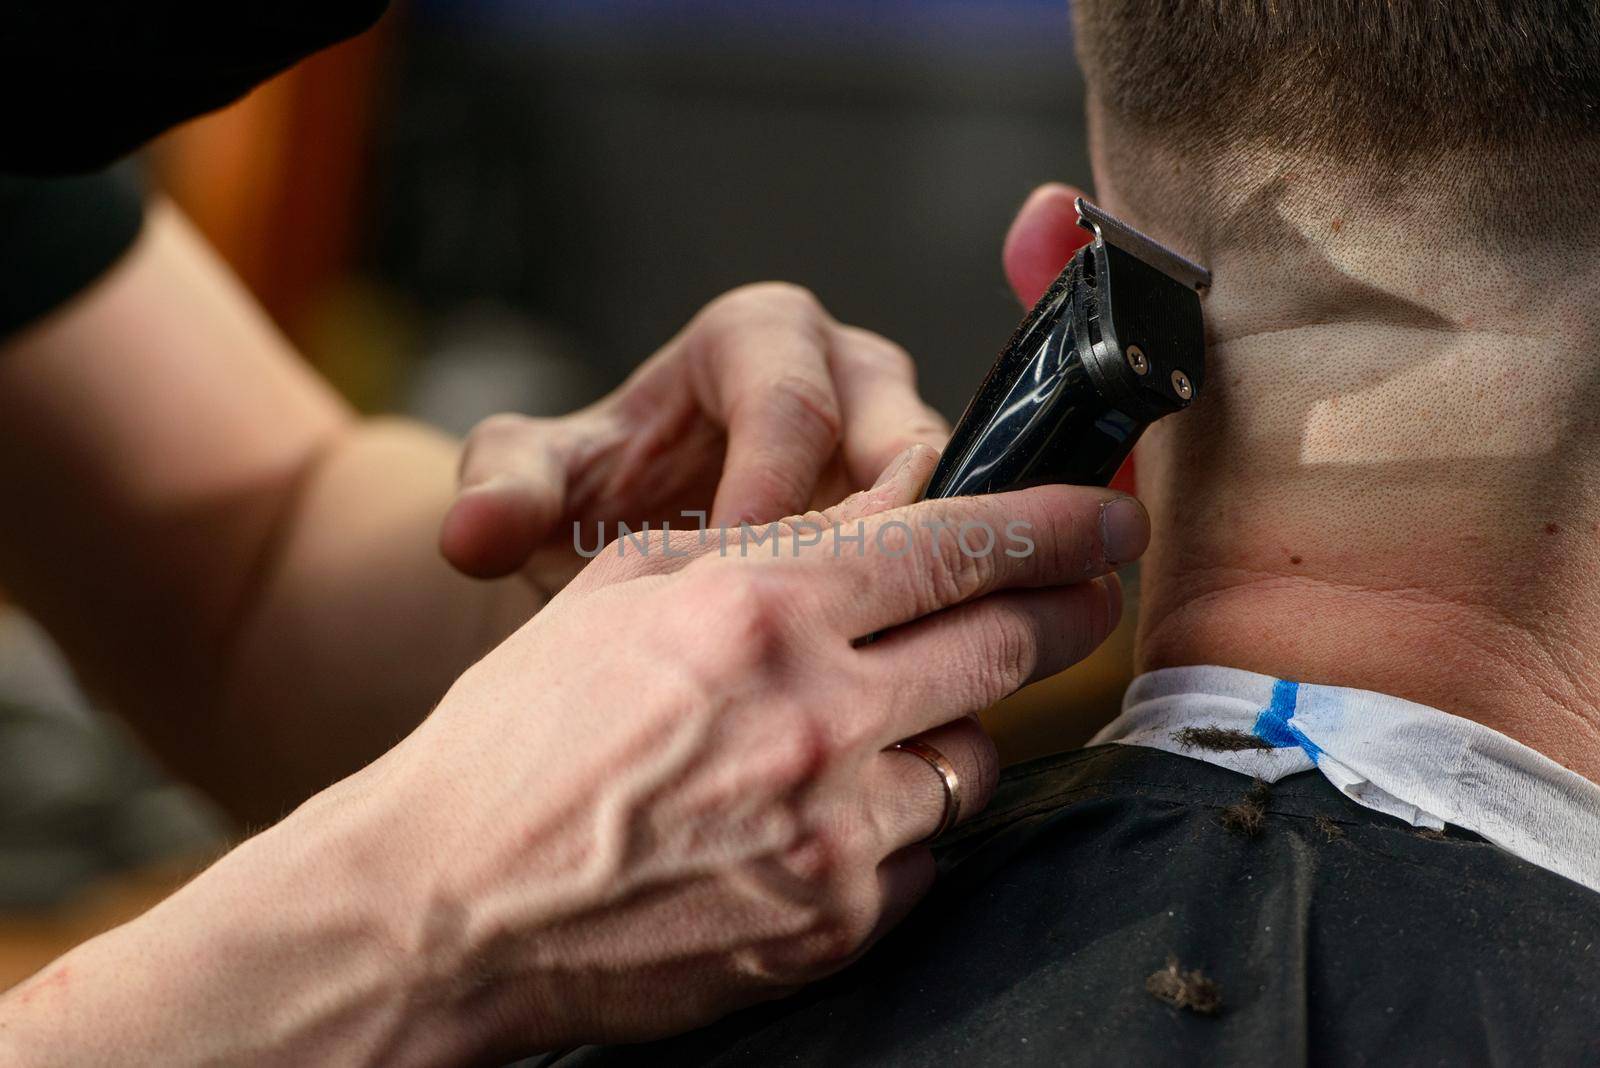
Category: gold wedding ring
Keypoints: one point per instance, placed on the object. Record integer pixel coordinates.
(947, 774)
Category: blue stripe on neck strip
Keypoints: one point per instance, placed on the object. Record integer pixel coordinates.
(1272, 725)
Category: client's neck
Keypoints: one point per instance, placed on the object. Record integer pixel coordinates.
(1392, 480)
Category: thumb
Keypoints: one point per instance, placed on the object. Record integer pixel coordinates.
(512, 494)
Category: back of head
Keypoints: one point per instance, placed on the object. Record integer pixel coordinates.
(1474, 100)
(1352, 79)
(1400, 205)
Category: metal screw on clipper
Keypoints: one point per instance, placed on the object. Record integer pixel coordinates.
(1138, 360)
(1181, 385)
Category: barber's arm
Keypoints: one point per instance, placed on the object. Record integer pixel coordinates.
(252, 575)
(665, 796)
(244, 569)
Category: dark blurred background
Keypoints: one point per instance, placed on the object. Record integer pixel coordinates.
(489, 205)
(572, 179)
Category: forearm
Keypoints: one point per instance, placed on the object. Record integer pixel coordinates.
(287, 951)
(357, 627)
(228, 555)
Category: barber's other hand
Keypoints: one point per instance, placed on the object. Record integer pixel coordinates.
(762, 407)
(669, 794)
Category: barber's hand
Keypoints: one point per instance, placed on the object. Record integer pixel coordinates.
(762, 407)
(669, 794)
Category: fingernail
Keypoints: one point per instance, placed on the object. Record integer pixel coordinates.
(493, 484)
(895, 467)
(1124, 529)
(1113, 595)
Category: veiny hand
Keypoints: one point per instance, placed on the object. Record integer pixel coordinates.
(668, 795)
(762, 407)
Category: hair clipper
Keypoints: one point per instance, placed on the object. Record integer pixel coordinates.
(1115, 344)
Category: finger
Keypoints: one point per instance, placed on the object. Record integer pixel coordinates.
(834, 484)
(907, 794)
(513, 487)
(909, 562)
(656, 552)
(1042, 239)
(899, 484)
(882, 413)
(961, 661)
(766, 379)
(904, 878)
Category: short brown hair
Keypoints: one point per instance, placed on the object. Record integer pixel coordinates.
(1348, 77)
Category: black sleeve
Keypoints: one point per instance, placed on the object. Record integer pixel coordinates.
(84, 82)
(57, 235)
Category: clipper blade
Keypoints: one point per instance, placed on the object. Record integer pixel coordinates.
(1110, 229)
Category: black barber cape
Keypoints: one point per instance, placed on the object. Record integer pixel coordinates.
(1126, 906)
(83, 82)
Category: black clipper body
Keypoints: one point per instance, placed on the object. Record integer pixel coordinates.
(1117, 343)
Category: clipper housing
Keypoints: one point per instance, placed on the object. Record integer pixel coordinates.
(1115, 344)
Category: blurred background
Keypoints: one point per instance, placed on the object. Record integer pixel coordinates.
(490, 205)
